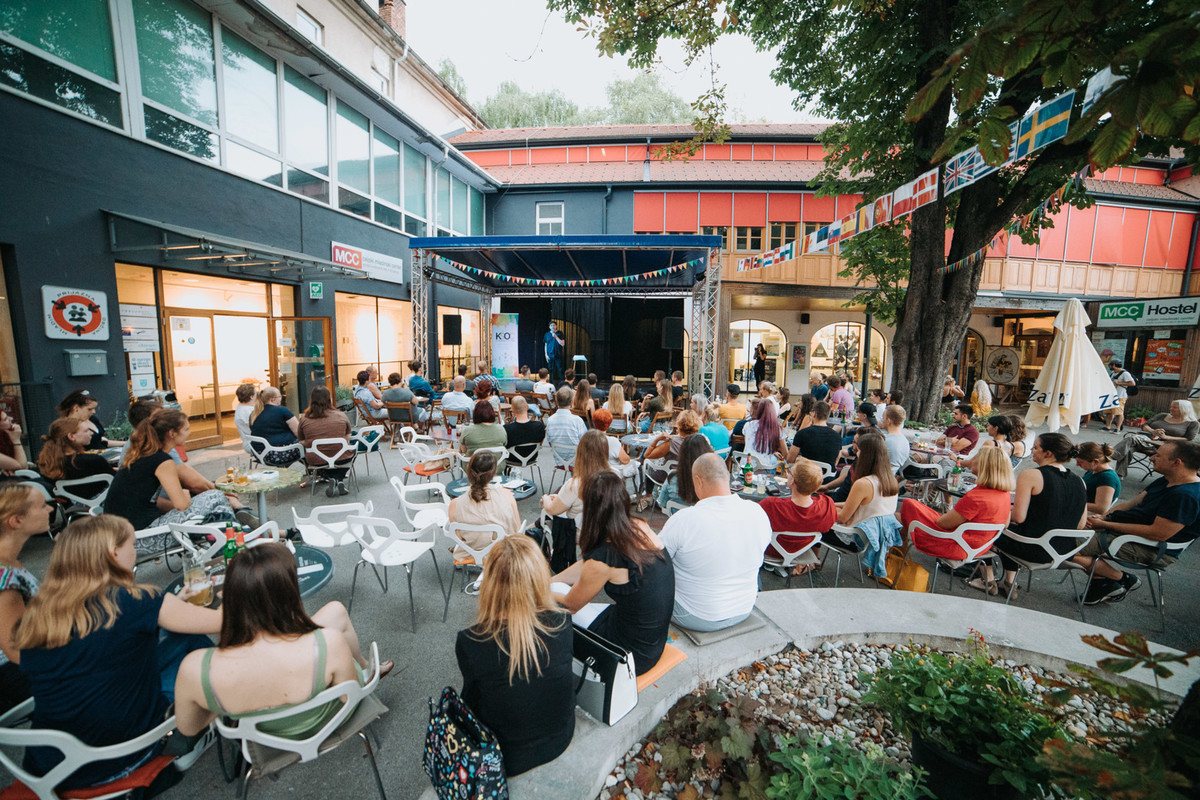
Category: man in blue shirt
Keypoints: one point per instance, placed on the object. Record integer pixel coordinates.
(1167, 511)
(554, 346)
(417, 382)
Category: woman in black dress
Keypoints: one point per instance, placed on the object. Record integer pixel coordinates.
(760, 364)
(63, 456)
(80, 404)
(516, 659)
(623, 556)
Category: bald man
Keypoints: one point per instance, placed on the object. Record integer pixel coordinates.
(717, 548)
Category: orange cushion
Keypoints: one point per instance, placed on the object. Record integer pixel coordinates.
(141, 777)
(672, 657)
(420, 469)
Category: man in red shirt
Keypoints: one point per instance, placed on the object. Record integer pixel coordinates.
(803, 512)
(961, 437)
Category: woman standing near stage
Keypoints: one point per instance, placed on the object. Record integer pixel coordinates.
(760, 364)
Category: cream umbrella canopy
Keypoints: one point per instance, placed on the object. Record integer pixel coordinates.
(1073, 381)
(1194, 396)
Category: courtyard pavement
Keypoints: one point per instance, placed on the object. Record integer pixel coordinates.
(425, 661)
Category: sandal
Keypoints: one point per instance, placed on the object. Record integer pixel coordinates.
(804, 569)
(386, 668)
(989, 587)
(1004, 590)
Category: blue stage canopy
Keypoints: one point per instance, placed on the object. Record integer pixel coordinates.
(575, 258)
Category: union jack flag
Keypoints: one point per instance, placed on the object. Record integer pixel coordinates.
(959, 171)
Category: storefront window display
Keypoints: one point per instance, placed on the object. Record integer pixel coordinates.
(838, 349)
(744, 336)
(371, 331)
(449, 355)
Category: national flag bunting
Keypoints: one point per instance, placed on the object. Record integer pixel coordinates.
(849, 226)
(959, 171)
(882, 210)
(834, 232)
(927, 188)
(1097, 85)
(1050, 121)
(904, 200)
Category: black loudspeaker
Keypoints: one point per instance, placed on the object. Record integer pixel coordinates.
(804, 318)
(452, 329)
(997, 322)
(672, 333)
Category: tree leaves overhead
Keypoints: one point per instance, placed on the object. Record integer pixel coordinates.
(639, 100)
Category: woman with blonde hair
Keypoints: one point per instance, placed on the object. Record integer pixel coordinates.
(278, 425)
(516, 659)
(591, 455)
(62, 456)
(24, 512)
(484, 503)
(90, 645)
(981, 398)
(618, 405)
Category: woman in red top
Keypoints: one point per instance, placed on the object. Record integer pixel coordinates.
(803, 512)
(989, 503)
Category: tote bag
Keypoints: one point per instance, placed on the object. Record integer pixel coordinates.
(462, 757)
(606, 681)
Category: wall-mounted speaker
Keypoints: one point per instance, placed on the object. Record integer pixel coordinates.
(672, 333)
(452, 329)
(804, 318)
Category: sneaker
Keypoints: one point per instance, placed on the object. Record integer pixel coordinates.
(1130, 582)
(341, 488)
(331, 490)
(191, 748)
(1104, 590)
(246, 518)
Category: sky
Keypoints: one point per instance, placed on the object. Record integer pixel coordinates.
(491, 41)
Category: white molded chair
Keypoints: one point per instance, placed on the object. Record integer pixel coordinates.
(1057, 560)
(454, 532)
(970, 555)
(65, 489)
(567, 467)
(369, 440)
(326, 526)
(840, 548)
(267, 754)
(518, 463)
(790, 558)
(260, 448)
(338, 454)
(674, 505)
(413, 458)
(193, 539)
(1114, 545)
(75, 754)
(460, 461)
(385, 545)
(417, 514)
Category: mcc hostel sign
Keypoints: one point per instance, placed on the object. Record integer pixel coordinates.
(1167, 312)
(379, 266)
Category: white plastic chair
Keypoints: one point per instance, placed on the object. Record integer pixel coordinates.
(528, 463)
(418, 514)
(267, 754)
(414, 456)
(460, 460)
(369, 440)
(385, 545)
(790, 558)
(454, 532)
(75, 753)
(1173, 549)
(674, 505)
(840, 548)
(343, 457)
(326, 527)
(410, 435)
(193, 539)
(65, 489)
(1056, 559)
(567, 467)
(260, 448)
(971, 554)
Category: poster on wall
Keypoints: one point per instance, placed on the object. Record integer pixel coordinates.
(1164, 360)
(504, 346)
(139, 328)
(1001, 365)
(78, 314)
(799, 356)
(1111, 350)
(737, 339)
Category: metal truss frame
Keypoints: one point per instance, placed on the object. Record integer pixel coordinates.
(705, 328)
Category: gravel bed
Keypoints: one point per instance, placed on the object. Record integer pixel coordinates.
(816, 694)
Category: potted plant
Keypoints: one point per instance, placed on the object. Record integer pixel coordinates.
(974, 728)
(839, 770)
(1136, 416)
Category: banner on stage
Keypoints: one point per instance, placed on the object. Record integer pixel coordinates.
(504, 346)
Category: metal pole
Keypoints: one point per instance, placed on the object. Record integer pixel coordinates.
(866, 355)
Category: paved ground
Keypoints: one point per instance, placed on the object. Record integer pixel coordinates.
(425, 659)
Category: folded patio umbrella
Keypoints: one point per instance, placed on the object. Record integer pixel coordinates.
(1073, 381)
(1194, 396)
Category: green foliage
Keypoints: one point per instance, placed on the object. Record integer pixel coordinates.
(1143, 762)
(639, 100)
(643, 100)
(343, 394)
(513, 107)
(450, 74)
(1134, 412)
(119, 428)
(840, 770)
(970, 705)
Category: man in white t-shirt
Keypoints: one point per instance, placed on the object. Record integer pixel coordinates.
(717, 548)
(894, 438)
(1122, 380)
(564, 429)
(457, 400)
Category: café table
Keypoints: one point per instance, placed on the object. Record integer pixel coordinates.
(757, 493)
(520, 487)
(314, 569)
(638, 441)
(262, 481)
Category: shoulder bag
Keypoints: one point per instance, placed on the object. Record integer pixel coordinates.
(462, 757)
(606, 681)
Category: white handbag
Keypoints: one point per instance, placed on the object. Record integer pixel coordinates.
(607, 682)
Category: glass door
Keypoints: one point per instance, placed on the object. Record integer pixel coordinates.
(192, 357)
(301, 348)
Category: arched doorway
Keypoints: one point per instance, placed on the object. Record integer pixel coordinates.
(744, 334)
(967, 367)
(837, 349)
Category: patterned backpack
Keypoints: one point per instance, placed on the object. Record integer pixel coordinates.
(462, 757)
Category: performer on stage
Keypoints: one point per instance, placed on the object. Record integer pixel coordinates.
(554, 347)
(760, 364)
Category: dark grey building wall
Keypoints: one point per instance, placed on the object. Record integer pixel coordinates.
(60, 173)
(513, 212)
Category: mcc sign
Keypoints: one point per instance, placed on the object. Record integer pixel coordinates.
(1168, 312)
(379, 266)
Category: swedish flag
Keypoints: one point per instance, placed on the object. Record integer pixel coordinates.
(1048, 123)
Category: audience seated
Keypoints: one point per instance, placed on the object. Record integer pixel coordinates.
(457, 399)
(654, 404)
(484, 503)
(524, 380)
(1167, 511)
(804, 512)
(1047, 498)
(568, 380)
(483, 377)
(1100, 479)
(680, 488)
(739, 427)
(524, 435)
(802, 413)
(246, 394)
(666, 447)
(618, 460)
(716, 433)
(80, 404)
(24, 512)
(625, 558)
(369, 396)
(818, 441)
(716, 547)
(189, 478)
(63, 457)
(732, 409)
(1020, 437)
(486, 391)
(892, 427)
(1177, 425)
(543, 386)
(516, 659)
(590, 456)
(91, 647)
(962, 436)
(12, 452)
(840, 399)
(265, 631)
(617, 405)
(598, 394)
(484, 431)
(875, 488)
(278, 425)
(417, 382)
(397, 392)
(564, 429)
(677, 387)
(147, 467)
(785, 405)
(981, 398)
(764, 437)
(468, 383)
(322, 421)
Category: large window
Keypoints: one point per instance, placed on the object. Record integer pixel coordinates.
(371, 331)
(251, 92)
(717, 230)
(748, 239)
(442, 180)
(781, 234)
(550, 219)
(176, 58)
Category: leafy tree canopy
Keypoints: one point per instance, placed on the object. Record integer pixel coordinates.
(450, 74)
(641, 99)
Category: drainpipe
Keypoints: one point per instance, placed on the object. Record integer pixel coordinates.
(866, 356)
(608, 194)
(1187, 267)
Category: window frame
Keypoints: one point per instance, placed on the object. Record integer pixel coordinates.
(303, 19)
(784, 237)
(744, 236)
(540, 218)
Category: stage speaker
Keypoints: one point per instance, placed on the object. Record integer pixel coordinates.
(997, 322)
(804, 318)
(452, 329)
(672, 333)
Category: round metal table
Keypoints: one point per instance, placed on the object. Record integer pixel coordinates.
(751, 493)
(285, 478)
(518, 486)
(314, 569)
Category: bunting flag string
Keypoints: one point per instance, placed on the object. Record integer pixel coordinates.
(592, 282)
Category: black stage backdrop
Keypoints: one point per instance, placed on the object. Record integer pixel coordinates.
(625, 333)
